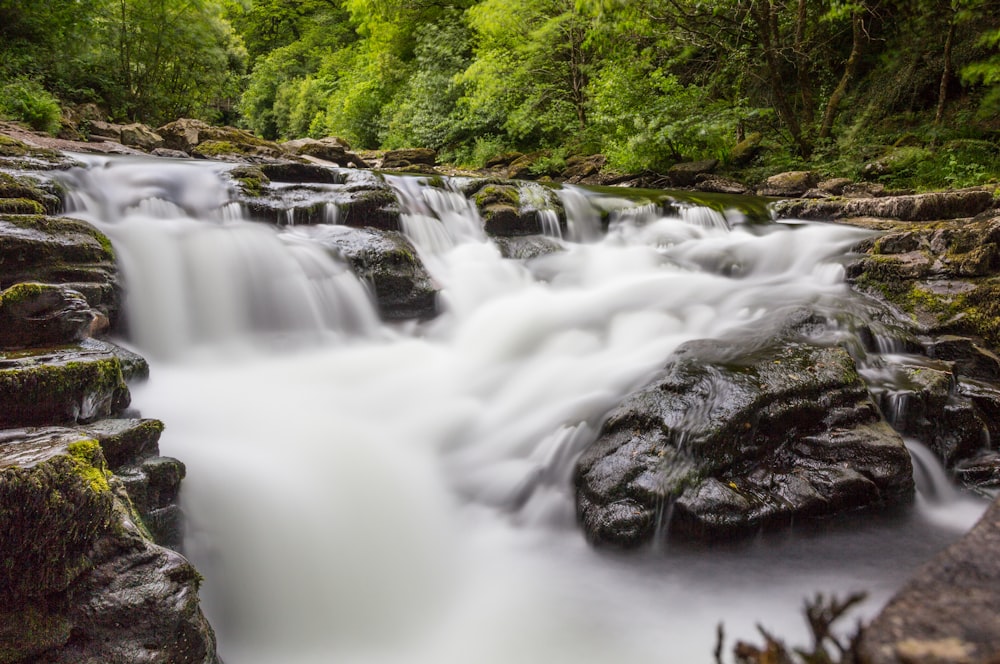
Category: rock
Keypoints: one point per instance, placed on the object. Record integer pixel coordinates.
(723, 445)
(30, 192)
(717, 184)
(80, 582)
(17, 154)
(33, 314)
(201, 139)
(55, 502)
(105, 131)
(526, 247)
(523, 168)
(140, 136)
(686, 173)
(395, 160)
(330, 149)
(69, 384)
(948, 612)
(388, 261)
(970, 359)
(791, 184)
(59, 250)
(169, 154)
(918, 207)
(512, 209)
(834, 186)
(290, 171)
(579, 167)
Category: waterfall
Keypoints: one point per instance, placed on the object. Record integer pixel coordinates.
(404, 494)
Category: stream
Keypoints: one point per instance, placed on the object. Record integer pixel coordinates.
(364, 492)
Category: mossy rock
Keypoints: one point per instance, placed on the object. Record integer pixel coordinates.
(782, 433)
(126, 442)
(55, 502)
(25, 188)
(64, 385)
(33, 314)
(251, 180)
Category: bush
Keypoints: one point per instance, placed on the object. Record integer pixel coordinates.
(29, 102)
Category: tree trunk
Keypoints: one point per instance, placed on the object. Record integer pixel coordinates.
(945, 73)
(857, 28)
(768, 26)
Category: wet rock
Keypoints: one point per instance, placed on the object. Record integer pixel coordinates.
(290, 171)
(526, 247)
(395, 160)
(722, 445)
(388, 261)
(17, 154)
(59, 250)
(81, 581)
(512, 209)
(791, 184)
(948, 612)
(685, 174)
(33, 314)
(68, 384)
(970, 359)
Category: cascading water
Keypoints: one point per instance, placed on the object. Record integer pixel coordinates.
(359, 493)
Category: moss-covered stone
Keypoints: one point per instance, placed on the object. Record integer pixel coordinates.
(65, 385)
(33, 314)
(20, 206)
(54, 503)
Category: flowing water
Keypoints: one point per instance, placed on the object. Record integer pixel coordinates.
(364, 493)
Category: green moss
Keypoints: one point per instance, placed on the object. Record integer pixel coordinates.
(493, 194)
(20, 206)
(20, 292)
(10, 147)
(90, 464)
(29, 631)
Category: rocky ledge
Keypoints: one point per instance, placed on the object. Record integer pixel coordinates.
(88, 506)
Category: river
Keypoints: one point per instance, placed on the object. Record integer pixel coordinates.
(363, 492)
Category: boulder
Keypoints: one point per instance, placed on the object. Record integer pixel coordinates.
(790, 184)
(395, 160)
(69, 384)
(949, 611)
(330, 149)
(169, 154)
(685, 174)
(510, 209)
(746, 150)
(292, 171)
(140, 136)
(27, 189)
(579, 167)
(388, 261)
(723, 444)
(59, 250)
(201, 139)
(103, 131)
(717, 184)
(33, 314)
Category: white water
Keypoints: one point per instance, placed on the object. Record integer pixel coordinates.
(365, 494)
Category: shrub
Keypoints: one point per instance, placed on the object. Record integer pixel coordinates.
(29, 102)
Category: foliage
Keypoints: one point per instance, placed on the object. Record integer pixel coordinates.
(29, 102)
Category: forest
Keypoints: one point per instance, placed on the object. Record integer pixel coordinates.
(906, 91)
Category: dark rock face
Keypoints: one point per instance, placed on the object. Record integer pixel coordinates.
(949, 611)
(389, 262)
(724, 446)
(43, 315)
(685, 174)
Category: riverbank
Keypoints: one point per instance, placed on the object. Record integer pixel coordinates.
(955, 387)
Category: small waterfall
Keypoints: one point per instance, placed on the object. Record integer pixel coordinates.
(940, 502)
(705, 217)
(583, 219)
(198, 274)
(549, 221)
(435, 219)
(331, 214)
